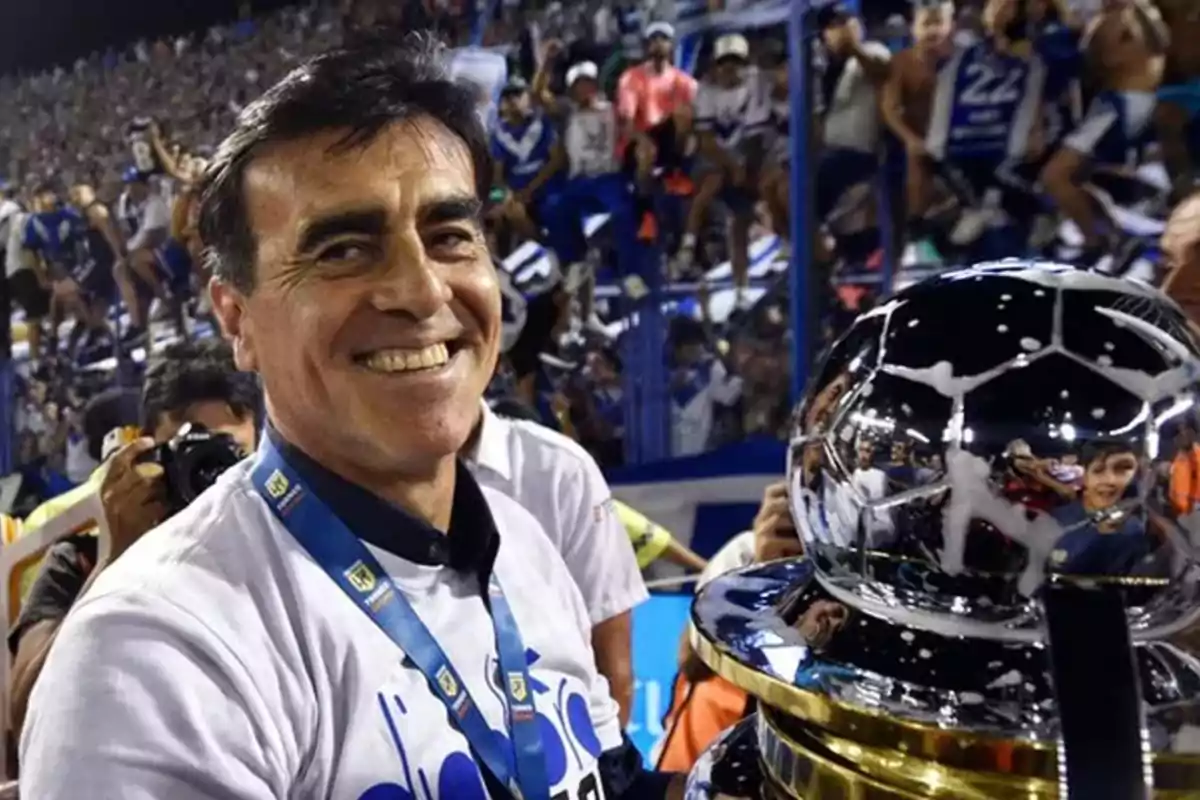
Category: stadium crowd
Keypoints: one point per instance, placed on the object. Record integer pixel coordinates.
(1008, 128)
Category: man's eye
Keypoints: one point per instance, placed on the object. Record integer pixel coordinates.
(452, 239)
(343, 252)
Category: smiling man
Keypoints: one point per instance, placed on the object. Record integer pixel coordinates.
(347, 614)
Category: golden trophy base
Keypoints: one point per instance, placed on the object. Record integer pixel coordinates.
(857, 707)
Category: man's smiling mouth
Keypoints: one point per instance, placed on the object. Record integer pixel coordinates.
(400, 359)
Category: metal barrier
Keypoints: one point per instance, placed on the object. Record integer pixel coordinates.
(26, 553)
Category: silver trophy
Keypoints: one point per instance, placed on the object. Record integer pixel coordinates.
(996, 475)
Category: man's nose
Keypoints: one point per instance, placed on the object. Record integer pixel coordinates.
(412, 282)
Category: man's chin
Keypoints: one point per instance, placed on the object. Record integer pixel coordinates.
(423, 437)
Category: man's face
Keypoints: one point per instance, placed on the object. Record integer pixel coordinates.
(44, 202)
(514, 106)
(1107, 478)
(138, 191)
(375, 320)
(690, 354)
(216, 417)
(82, 195)
(866, 455)
(729, 71)
(841, 36)
(932, 27)
(583, 90)
(660, 47)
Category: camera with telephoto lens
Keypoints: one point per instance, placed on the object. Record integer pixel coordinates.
(192, 461)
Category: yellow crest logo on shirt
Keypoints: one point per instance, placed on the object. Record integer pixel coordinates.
(361, 577)
(277, 485)
(446, 680)
(516, 687)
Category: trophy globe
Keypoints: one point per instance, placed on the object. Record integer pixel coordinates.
(996, 477)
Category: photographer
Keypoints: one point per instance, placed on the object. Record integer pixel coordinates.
(703, 704)
(190, 382)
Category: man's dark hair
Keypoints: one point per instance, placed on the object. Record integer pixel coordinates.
(114, 408)
(360, 88)
(1102, 450)
(187, 373)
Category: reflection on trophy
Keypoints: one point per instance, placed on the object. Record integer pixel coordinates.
(991, 476)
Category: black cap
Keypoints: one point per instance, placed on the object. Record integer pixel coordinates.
(832, 15)
(514, 85)
(115, 408)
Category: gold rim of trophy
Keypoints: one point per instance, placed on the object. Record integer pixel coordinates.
(897, 759)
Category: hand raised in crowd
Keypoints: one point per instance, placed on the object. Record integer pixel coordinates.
(551, 49)
(133, 496)
(775, 533)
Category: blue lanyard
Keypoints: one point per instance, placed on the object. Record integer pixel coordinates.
(352, 567)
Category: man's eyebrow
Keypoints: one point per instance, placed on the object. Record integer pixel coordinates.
(369, 221)
(454, 208)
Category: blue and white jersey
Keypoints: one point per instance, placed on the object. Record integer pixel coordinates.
(531, 269)
(728, 113)
(609, 405)
(61, 237)
(985, 105)
(695, 390)
(1058, 47)
(513, 311)
(141, 220)
(523, 149)
(1116, 128)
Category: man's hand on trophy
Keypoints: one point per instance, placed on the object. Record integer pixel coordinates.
(774, 530)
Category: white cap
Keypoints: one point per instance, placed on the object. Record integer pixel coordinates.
(584, 69)
(659, 29)
(731, 45)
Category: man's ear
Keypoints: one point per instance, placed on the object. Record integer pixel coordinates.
(229, 307)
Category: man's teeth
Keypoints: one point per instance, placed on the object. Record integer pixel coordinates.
(397, 360)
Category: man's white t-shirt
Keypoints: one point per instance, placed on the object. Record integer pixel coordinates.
(692, 413)
(728, 112)
(216, 660)
(590, 139)
(562, 486)
(143, 219)
(10, 211)
(14, 256)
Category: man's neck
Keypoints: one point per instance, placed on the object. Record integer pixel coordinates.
(658, 65)
(426, 492)
(470, 450)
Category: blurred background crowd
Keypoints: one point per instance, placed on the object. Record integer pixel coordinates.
(642, 182)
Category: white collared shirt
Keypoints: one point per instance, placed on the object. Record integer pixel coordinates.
(558, 482)
(216, 659)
